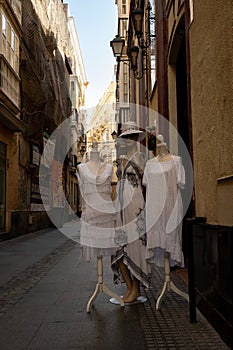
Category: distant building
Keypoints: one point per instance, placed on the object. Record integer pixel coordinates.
(103, 124)
(78, 85)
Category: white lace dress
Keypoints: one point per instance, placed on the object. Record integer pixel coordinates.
(98, 213)
(164, 210)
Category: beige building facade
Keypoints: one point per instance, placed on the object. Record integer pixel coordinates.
(40, 60)
(78, 86)
(10, 106)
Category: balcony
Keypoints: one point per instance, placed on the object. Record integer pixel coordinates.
(9, 83)
(10, 98)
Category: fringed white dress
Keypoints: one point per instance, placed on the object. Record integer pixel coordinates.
(98, 212)
(164, 210)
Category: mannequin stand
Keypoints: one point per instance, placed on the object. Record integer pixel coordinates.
(168, 284)
(101, 287)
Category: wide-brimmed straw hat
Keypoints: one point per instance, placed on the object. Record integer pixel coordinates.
(130, 128)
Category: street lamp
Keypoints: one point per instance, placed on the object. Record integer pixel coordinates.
(82, 149)
(117, 46)
(133, 53)
(137, 17)
(114, 135)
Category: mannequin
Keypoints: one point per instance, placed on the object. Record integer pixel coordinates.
(128, 264)
(95, 162)
(98, 215)
(163, 178)
(162, 151)
(132, 283)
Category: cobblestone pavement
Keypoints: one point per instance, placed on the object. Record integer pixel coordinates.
(166, 328)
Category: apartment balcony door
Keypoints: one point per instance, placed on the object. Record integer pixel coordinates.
(2, 186)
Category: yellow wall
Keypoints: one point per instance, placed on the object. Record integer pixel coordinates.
(10, 139)
(211, 54)
(211, 75)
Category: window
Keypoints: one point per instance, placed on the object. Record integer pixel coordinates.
(3, 25)
(123, 8)
(72, 94)
(10, 43)
(123, 27)
(12, 40)
(126, 83)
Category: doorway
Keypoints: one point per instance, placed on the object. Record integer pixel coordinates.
(183, 118)
(178, 59)
(2, 186)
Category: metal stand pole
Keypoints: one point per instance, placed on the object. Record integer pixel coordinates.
(101, 287)
(168, 284)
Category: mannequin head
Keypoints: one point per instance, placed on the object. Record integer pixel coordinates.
(131, 135)
(94, 152)
(160, 141)
(162, 149)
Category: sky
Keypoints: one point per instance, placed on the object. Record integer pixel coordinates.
(96, 24)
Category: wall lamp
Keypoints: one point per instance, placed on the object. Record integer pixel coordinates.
(117, 45)
(144, 41)
(134, 52)
(114, 135)
(137, 20)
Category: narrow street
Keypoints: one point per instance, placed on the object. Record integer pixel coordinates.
(45, 287)
(127, 105)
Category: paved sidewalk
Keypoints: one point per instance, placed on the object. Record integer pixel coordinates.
(44, 290)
